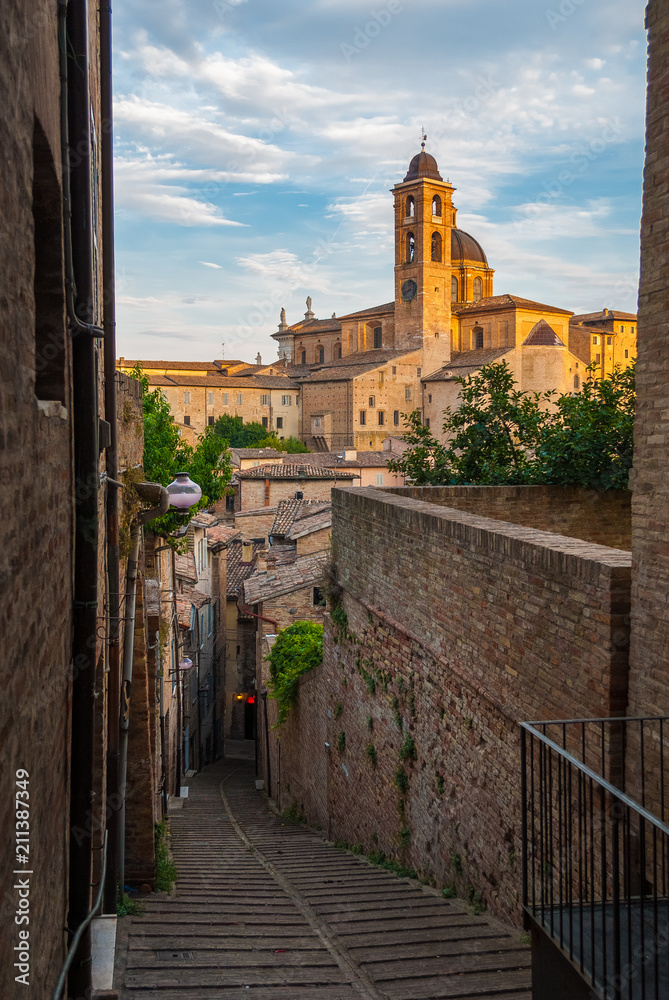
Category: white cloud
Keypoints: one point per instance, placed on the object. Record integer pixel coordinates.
(207, 263)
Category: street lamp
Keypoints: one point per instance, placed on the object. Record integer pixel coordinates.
(184, 493)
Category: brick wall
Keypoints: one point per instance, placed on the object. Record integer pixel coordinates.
(458, 630)
(255, 493)
(649, 655)
(601, 516)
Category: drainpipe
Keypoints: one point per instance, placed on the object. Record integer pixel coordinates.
(113, 558)
(79, 287)
(151, 492)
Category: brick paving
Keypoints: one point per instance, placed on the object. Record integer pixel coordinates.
(265, 909)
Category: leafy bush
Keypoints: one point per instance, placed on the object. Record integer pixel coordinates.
(408, 749)
(298, 648)
(166, 870)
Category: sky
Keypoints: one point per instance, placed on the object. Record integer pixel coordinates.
(257, 141)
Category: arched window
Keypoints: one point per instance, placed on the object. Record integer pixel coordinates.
(455, 289)
(410, 208)
(304, 358)
(411, 248)
(436, 205)
(577, 382)
(476, 295)
(477, 337)
(436, 246)
(336, 353)
(321, 355)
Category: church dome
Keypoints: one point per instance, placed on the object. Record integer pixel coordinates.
(423, 165)
(465, 247)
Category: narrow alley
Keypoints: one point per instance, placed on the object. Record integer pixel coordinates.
(266, 909)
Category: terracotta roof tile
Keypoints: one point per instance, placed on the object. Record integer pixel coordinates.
(237, 570)
(184, 567)
(387, 307)
(352, 365)
(289, 510)
(542, 335)
(221, 533)
(305, 572)
(188, 598)
(495, 302)
(466, 362)
(292, 471)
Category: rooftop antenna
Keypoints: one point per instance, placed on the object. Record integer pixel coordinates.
(222, 350)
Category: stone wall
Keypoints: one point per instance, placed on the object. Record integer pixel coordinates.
(601, 516)
(460, 629)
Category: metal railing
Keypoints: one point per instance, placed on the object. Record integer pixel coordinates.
(596, 848)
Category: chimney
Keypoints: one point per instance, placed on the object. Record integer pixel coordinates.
(261, 561)
(350, 454)
(247, 552)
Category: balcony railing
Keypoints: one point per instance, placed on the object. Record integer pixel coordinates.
(595, 798)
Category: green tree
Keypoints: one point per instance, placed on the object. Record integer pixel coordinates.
(590, 439)
(290, 445)
(165, 454)
(297, 649)
(238, 434)
(501, 435)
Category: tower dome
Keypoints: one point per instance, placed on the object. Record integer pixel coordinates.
(423, 165)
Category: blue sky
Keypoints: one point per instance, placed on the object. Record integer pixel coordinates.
(257, 140)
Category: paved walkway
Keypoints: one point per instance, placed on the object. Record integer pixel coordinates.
(265, 910)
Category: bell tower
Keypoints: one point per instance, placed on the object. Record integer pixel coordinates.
(423, 223)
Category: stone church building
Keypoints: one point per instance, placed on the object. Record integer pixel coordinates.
(361, 371)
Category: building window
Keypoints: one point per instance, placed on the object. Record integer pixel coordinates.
(631, 329)
(382, 377)
(598, 358)
(286, 400)
(379, 479)
(418, 372)
(186, 397)
(410, 208)
(609, 340)
(48, 274)
(363, 417)
(627, 354)
(436, 246)
(410, 248)
(210, 421)
(427, 422)
(240, 399)
(321, 355)
(382, 418)
(436, 205)
(396, 418)
(264, 400)
(225, 399)
(429, 397)
(264, 421)
(319, 598)
(378, 336)
(230, 503)
(477, 336)
(210, 397)
(408, 393)
(595, 341)
(297, 399)
(577, 382)
(304, 358)
(455, 289)
(187, 421)
(478, 289)
(279, 423)
(372, 402)
(394, 369)
(337, 351)
(317, 421)
(622, 329)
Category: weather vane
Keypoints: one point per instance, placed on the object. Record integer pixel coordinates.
(423, 137)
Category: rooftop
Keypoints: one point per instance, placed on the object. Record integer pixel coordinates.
(304, 572)
(293, 471)
(352, 365)
(542, 335)
(288, 511)
(237, 569)
(466, 362)
(188, 598)
(497, 302)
